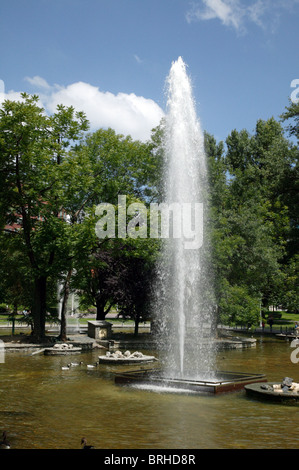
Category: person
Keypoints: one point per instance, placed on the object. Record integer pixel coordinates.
(296, 328)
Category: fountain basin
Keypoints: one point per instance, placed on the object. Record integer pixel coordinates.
(222, 382)
(126, 358)
(63, 349)
(265, 391)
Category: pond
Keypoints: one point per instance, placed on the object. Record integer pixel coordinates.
(45, 407)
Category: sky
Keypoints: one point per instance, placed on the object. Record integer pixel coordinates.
(110, 58)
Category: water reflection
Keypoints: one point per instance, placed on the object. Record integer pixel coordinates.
(43, 407)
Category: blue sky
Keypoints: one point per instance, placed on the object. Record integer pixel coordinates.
(110, 58)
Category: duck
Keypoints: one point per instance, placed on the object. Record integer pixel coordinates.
(92, 366)
(67, 367)
(74, 364)
(4, 444)
(84, 444)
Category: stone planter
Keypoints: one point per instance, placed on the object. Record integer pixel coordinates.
(99, 329)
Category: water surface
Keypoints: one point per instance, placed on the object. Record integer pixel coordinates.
(44, 407)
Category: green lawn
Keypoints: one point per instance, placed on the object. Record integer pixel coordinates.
(286, 320)
(4, 319)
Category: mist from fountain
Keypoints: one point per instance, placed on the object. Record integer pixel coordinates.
(184, 292)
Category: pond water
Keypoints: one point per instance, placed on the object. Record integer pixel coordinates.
(44, 407)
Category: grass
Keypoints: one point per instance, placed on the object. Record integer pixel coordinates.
(4, 319)
(286, 320)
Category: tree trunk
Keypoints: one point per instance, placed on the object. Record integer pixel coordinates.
(137, 319)
(39, 308)
(66, 294)
(14, 315)
(62, 335)
(100, 304)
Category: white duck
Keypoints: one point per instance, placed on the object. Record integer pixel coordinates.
(4, 444)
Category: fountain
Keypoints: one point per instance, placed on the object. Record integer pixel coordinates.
(118, 357)
(184, 292)
(184, 297)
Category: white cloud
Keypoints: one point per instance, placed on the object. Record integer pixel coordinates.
(38, 82)
(236, 13)
(127, 114)
(10, 95)
(137, 58)
(229, 12)
(256, 11)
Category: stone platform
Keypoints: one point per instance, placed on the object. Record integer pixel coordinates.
(126, 358)
(63, 349)
(219, 382)
(285, 392)
(144, 341)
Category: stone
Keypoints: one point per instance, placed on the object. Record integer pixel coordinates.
(294, 387)
(265, 387)
(99, 329)
(287, 382)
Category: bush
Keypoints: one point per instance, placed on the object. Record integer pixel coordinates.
(275, 315)
(237, 307)
(4, 310)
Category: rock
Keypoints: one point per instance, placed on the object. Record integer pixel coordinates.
(137, 354)
(287, 382)
(265, 387)
(63, 346)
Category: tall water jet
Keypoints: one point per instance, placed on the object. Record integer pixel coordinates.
(184, 318)
(184, 292)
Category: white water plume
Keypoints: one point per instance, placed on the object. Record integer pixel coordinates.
(184, 297)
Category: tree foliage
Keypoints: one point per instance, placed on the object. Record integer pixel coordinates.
(35, 167)
(53, 174)
(254, 218)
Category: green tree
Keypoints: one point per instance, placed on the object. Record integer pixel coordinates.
(291, 182)
(35, 166)
(119, 165)
(114, 271)
(291, 115)
(289, 297)
(238, 307)
(251, 214)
